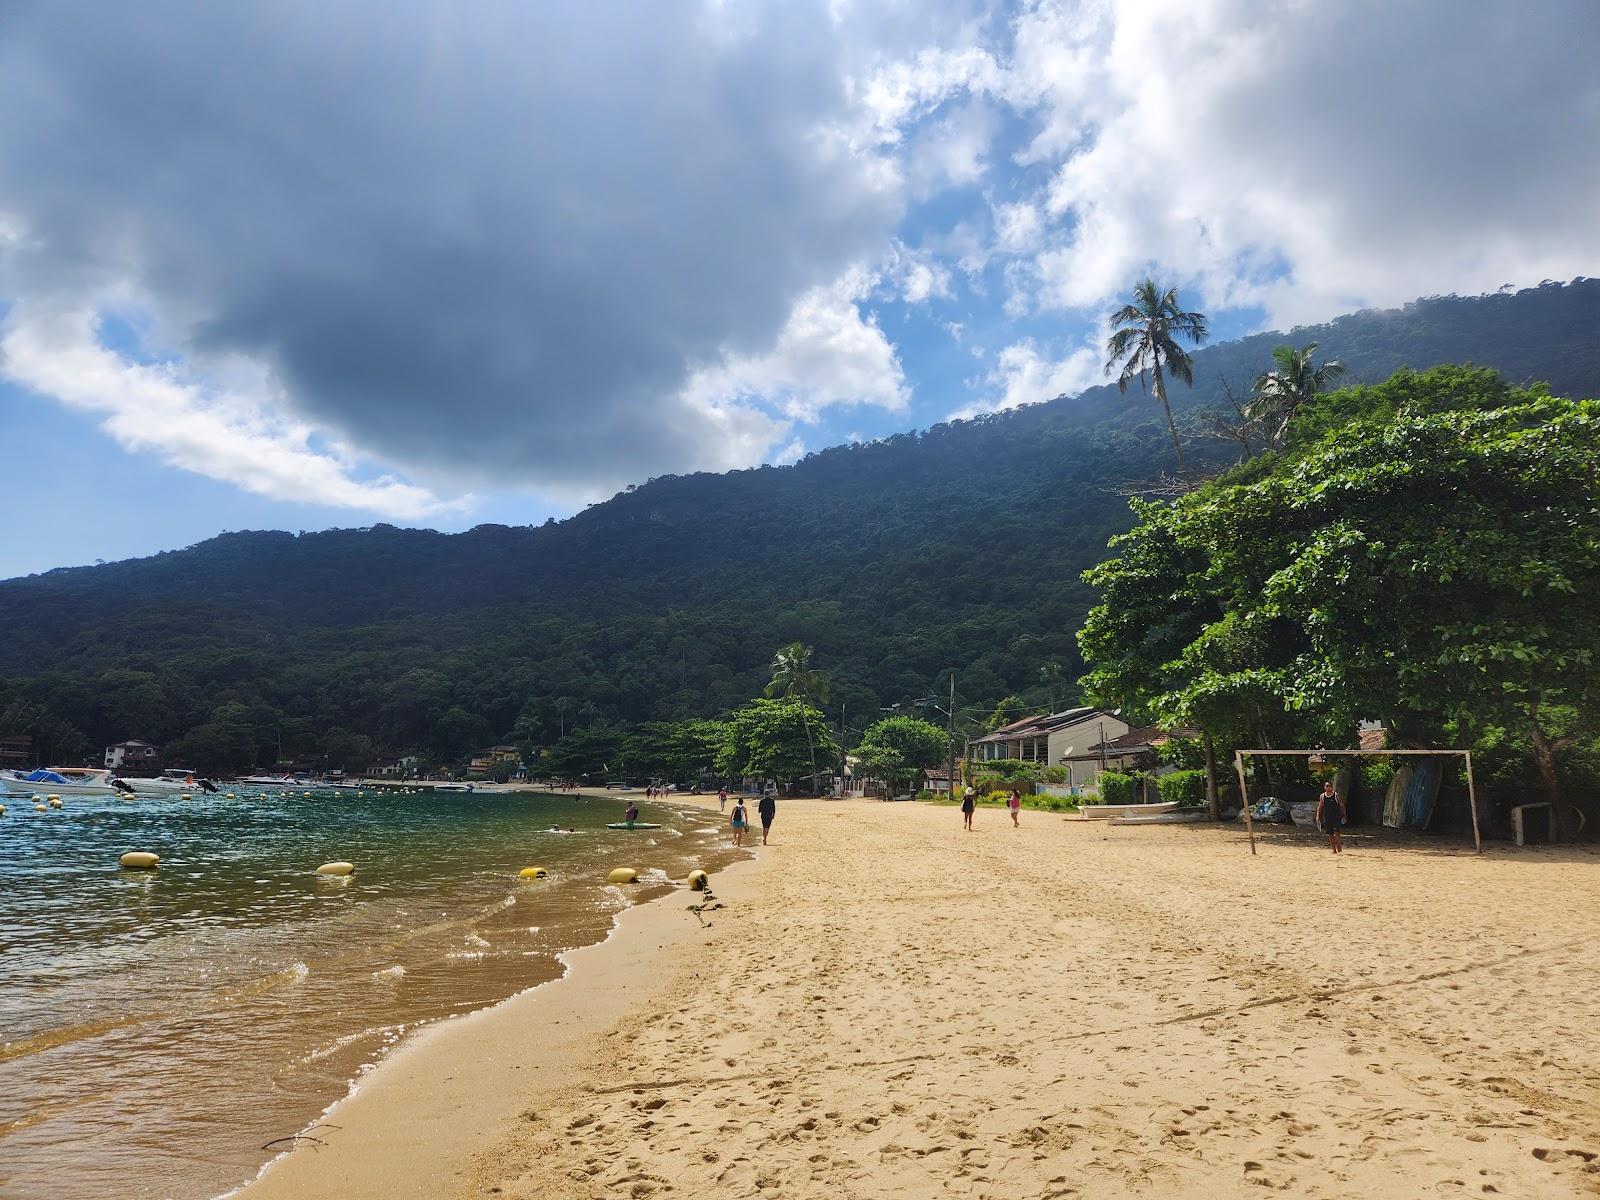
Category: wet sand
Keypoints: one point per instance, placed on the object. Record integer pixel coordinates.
(890, 1007)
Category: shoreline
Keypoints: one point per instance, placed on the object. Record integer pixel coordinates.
(892, 1007)
(400, 1130)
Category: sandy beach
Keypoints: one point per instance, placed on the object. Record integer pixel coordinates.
(888, 1007)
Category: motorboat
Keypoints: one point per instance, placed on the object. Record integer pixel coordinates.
(270, 781)
(172, 782)
(63, 781)
(1115, 811)
(447, 787)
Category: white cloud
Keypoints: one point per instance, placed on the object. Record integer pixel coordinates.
(1023, 374)
(827, 354)
(224, 435)
(1310, 158)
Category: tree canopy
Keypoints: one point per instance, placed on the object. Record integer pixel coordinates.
(1425, 551)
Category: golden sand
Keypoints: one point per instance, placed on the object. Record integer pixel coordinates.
(889, 1007)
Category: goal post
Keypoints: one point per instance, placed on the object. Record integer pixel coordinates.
(1244, 790)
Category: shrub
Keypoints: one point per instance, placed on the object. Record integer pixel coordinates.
(1117, 788)
(1188, 788)
(1055, 775)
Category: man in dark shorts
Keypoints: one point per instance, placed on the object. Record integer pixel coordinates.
(768, 808)
(1330, 815)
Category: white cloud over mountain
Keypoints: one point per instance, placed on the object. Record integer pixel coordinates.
(379, 257)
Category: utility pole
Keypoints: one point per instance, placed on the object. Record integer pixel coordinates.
(950, 773)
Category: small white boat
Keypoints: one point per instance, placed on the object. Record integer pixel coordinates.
(270, 781)
(446, 787)
(173, 781)
(1100, 812)
(62, 781)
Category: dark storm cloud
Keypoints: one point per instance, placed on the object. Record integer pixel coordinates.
(486, 242)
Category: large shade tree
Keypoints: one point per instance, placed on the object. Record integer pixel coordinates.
(1144, 339)
(1428, 553)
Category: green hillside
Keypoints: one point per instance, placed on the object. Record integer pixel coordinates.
(957, 547)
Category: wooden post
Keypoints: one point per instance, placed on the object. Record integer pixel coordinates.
(1472, 802)
(1244, 799)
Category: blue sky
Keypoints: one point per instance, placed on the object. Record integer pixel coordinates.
(288, 265)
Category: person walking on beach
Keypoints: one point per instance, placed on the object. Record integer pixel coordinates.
(722, 799)
(1331, 815)
(1014, 803)
(739, 822)
(969, 801)
(768, 808)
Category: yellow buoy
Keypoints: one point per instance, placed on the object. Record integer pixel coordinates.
(53, 798)
(139, 860)
(337, 868)
(624, 875)
(40, 808)
(698, 881)
(55, 802)
(533, 873)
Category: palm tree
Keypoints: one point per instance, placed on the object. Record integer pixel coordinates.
(1279, 393)
(1145, 339)
(793, 679)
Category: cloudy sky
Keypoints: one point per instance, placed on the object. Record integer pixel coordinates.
(293, 264)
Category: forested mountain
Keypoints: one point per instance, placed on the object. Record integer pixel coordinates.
(957, 547)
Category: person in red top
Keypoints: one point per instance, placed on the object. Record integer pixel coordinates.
(1014, 803)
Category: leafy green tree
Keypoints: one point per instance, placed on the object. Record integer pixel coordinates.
(773, 739)
(1437, 567)
(1145, 338)
(1293, 382)
(1008, 710)
(593, 750)
(793, 678)
(896, 748)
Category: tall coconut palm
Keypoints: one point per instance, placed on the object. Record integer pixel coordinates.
(793, 679)
(1279, 393)
(1146, 339)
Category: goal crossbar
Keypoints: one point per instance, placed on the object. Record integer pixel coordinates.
(1244, 790)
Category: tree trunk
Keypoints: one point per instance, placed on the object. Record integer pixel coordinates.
(1172, 426)
(1213, 804)
(811, 746)
(1544, 753)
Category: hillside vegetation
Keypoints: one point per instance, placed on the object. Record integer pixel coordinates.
(960, 547)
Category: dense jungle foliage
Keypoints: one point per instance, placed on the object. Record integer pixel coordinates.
(960, 548)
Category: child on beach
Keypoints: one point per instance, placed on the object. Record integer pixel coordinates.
(969, 801)
(1330, 815)
(722, 799)
(739, 822)
(1014, 803)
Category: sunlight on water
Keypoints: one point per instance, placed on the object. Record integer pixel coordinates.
(167, 1024)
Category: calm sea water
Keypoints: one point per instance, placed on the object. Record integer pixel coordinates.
(157, 1029)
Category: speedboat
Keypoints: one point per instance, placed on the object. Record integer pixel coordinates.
(171, 782)
(447, 787)
(63, 781)
(270, 781)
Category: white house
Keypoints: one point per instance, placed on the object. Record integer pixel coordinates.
(133, 756)
(1056, 740)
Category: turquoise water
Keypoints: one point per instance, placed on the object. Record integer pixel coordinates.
(163, 1026)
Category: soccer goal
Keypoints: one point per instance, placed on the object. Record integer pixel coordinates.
(1244, 790)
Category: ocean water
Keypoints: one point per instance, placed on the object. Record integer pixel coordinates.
(158, 1030)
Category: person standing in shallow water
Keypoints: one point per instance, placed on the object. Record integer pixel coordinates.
(739, 822)
(969, 801)
(1331, 815)
(722, 799)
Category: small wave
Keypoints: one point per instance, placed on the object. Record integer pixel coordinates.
(474, 939)
(390, 974)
